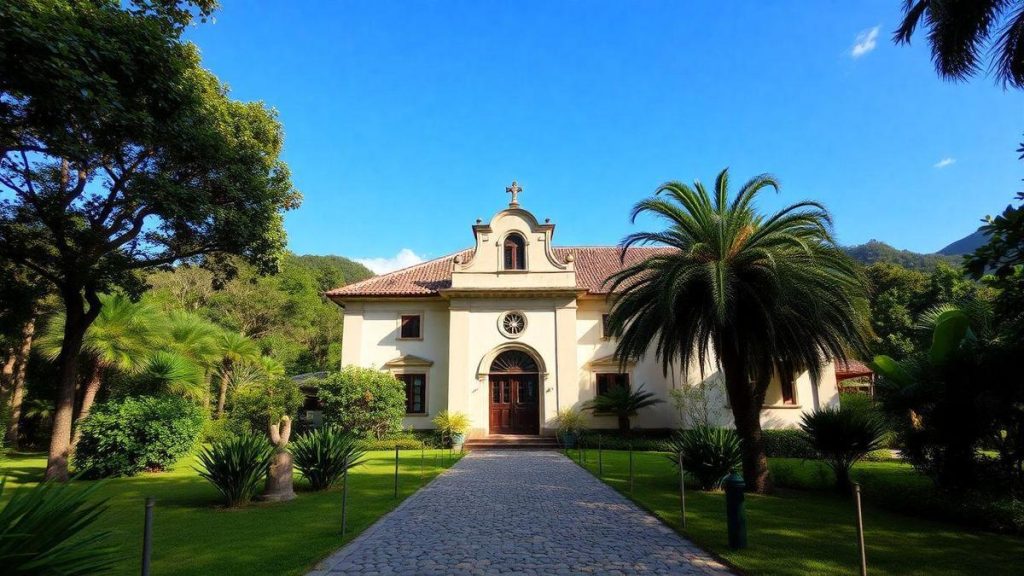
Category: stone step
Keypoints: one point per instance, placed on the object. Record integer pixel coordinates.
(509, 442)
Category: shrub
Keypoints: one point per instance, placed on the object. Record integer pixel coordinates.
(449, 425)
(787, 444)
(843, 437)
(709, 454)
(638, 441)
(570, 421)
(259, 399)
(41, 532)
(126, 436)
(362, 401)
(323, 455)
(236, 466)
(215, 430)
(401, 442)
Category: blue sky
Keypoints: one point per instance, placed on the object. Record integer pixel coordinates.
(405, 121)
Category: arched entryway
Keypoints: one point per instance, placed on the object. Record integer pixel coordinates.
(514, 394)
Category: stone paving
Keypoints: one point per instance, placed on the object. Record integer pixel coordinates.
(518, 512)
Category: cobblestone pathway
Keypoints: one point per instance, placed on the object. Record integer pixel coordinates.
(515, 512)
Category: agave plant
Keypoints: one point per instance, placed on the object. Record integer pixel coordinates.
(623, 403)
(323, 455)
(236, 466)
(843, 437)
(41, 532)
(709, 454)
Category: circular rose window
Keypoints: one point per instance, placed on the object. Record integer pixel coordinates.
(512, 324)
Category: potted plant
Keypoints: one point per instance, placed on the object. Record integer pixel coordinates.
(570, 423)
(452, 427)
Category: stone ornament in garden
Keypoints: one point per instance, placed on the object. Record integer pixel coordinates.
(279, 475)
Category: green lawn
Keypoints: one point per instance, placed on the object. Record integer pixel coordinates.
(800, 532)
(193, 535)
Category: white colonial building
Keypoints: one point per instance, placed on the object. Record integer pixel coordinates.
(512, 330)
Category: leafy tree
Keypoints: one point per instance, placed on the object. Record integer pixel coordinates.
(756, 294)
(362, 401)
(960, 32)
(118, 153)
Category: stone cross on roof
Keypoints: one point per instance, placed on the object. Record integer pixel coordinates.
(514, 190)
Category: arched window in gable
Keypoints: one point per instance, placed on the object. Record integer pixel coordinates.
(515, 252)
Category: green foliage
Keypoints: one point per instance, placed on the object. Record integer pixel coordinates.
(171, 373)
(875, 252)
(757, 293)
(709, 454)
(401, 442)
(43, 531)
(638, 441)
(623, 403)
(215, 430)
(450, 425)
(260, 399)
(323, 455)
(787, 444)
(236, 466)
(362, 401)
(125, 436)
(842, 437)
(570, 421)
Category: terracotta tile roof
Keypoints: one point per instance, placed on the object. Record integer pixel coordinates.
(593, 265)
(852, 369)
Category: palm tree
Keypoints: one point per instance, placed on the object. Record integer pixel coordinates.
(234, 348)
(196, 339)
(755, 295)
(623, 404)
(960, 32)
(173, 373)
(120, 339)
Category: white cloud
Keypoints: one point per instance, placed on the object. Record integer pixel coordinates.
(944, 162)
(866, 42)
(403, 259)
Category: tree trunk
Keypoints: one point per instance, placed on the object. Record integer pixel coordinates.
(7, 371)
(76, 322)
(17, 381)
(746, 412)
(88, 399)
(624, 424)
(222, 394)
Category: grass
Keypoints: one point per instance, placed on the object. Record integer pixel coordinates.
(802, 532)
(193, 535)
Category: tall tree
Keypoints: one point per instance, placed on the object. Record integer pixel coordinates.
(233, 349)
(758, 295)
(960, 32)
(119, 152)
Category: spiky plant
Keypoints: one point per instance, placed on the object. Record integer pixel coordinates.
(41, 532)
(323, 456)
(843, 437)
(450, 424)
(755, 294)
(236, 466)
(623, 403)
(173, 373)
(709, 454)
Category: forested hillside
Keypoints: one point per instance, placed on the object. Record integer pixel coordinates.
(874, 251)
(285, 314)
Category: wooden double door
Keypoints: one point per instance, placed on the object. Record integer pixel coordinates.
(515, 404)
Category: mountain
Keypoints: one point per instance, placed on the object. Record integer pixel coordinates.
(965, 245)
(875, 251)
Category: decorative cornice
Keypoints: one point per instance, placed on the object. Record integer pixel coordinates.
(408, 361)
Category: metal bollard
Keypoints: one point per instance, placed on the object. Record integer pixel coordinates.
(631, 468)
(735, 511)
(600, 459)
(860, 532)
(682, 491)
(344, 497)
(147, 536)
(396, 471)
(422, 450)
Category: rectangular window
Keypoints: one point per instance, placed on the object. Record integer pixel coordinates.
(787, 383)
(411, 327)
(605, 330)
(606, 382)
(415, 392)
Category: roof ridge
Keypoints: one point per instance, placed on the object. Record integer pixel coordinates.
(400, 270)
